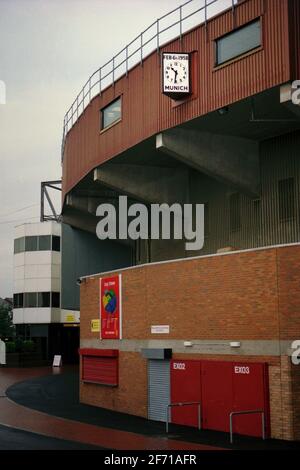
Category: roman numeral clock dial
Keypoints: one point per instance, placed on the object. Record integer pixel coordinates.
(176, 75)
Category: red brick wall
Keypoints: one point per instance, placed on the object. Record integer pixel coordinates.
(244, 296)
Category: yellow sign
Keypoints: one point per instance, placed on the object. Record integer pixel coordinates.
(95, 326)
(70, 318)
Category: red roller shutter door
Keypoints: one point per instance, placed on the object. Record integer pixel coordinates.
(100, 366)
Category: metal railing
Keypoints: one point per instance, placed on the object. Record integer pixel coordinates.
(248, 412)
(187, 403)
(166, 28)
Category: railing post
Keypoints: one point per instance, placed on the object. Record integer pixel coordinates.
(230, 427)
(180, 22)
(126, 61)
(233, 13)
(157, 36)
(113, 70)
(77, 108)
(141, 48)
(167, 420)
(100, 81)
(90, 90)
(263, 426)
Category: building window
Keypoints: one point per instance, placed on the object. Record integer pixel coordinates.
(238, 42)
(43, 299)
(44, 242)
(235, 212)
(111, 114)
(55, 300)
(286, 194)
(18, 300)
(31, 243)
(55, 243)
(37, 243)
(19, 245)
(30, 299)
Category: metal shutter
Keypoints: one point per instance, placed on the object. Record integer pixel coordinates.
(102, 370)
(158, 389)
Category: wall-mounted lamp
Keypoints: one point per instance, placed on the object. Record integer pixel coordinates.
(188, 344)
(235, 344)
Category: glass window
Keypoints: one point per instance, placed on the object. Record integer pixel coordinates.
(18, 300)
(19, 245)
(235, 212)
(44, 242)
(31, 243)
(111, 113)
(55, 243)
(55, 299)
(43, 299)
(286, 192)
(238, 42)
(30, 299)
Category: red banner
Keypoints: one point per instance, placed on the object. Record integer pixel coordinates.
(110, 307)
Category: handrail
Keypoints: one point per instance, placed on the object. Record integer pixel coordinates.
(102, 78)
(235, 413)
(187, 403)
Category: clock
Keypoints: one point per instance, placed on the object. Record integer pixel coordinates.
(176, 74)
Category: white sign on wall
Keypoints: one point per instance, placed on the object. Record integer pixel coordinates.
(160, 329)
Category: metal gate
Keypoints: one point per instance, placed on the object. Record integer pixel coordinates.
(158, 389)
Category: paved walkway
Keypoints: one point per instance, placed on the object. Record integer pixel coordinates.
(21, 417)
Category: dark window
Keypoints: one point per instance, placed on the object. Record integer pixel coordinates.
(19, 245)
(286, 193)
(31, 243)
(30, 299)
(43, 299)
(55, 299)
(55, 243)
(238, 42)
(18, 300)
(111, 113)
(235, 212)
(44, 242)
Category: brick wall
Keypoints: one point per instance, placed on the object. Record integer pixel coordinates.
(243, 296)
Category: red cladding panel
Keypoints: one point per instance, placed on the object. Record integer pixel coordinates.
(99, 352)
(185, 387)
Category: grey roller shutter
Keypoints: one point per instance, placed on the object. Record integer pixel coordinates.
(158, 389)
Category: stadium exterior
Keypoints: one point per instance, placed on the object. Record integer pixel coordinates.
(216, 326)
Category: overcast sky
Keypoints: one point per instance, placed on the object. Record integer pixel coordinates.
(48, 49)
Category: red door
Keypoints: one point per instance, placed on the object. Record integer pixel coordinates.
(217, 391)
(185, 387)
(249, 393)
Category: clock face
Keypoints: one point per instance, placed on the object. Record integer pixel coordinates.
(176, 74)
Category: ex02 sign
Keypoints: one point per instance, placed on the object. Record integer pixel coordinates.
(110, 307)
